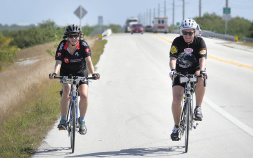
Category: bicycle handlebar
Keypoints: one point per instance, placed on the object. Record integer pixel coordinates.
(190, 76)
(74, 77)
(71, 79)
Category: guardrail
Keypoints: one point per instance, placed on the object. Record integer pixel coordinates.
(217, 35)
(176, 31)
(248, 39)
(212, 34)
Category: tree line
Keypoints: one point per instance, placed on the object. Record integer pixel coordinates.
(14, 38)
(237, 26)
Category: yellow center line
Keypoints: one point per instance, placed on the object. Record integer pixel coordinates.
(229, 62)
(163, 38)
(213, 57)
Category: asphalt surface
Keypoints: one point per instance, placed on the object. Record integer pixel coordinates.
(129, 113)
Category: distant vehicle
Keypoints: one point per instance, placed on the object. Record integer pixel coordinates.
(137, 28)
(148, 28)
(129, 22)
(160, 24)
(199, 31)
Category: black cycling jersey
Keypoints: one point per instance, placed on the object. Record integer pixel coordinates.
(188, 55)
(73, 64)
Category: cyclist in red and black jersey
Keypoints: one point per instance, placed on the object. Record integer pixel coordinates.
(72, 57)
(188, 55)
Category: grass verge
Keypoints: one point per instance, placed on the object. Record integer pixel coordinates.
(249, 44)
(23, 130)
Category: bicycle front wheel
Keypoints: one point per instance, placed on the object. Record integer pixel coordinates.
(187, 123)
(73, 127)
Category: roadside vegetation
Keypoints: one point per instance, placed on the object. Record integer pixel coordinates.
(14, 38)
(7, 52)
(237, 26)
(24, 128)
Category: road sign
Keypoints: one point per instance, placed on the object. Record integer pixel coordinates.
(236, 38)
(226, 17)
(80, 12)
(226, 10)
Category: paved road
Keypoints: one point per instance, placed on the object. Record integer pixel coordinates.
(129, 112)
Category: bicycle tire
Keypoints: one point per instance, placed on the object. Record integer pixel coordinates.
(73, 126)
(187, 123)
(182, 123)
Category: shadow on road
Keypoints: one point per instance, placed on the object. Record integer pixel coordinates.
(50, 152)
(157, 152)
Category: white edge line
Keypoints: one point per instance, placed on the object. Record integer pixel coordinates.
(229, 117)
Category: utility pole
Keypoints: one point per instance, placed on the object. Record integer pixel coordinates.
(154, 13)
(183, 8)
(173, 22)
(199, 8)
(226, 21)
(147, 17)
(164, 8)
(159, 10)
(150, 16)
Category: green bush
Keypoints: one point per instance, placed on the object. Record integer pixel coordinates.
(7, 52)
(237, 26)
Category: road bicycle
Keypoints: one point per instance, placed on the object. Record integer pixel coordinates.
(72, 115)
(187, 119)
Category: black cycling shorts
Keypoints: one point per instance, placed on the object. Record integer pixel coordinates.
(188, 71)
(82, 73)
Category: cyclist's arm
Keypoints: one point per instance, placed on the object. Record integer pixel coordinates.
(57, 66)
(89, 64)
(173, 62)
(202, 63)
(56, 69)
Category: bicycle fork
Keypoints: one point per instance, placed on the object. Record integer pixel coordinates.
(188, 98)
(75, 101)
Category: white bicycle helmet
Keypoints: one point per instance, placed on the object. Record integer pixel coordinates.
(188, 24)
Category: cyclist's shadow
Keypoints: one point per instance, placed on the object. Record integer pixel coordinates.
(56, 151)
(157, 152)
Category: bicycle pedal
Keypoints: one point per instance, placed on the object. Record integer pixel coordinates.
(198, 119)
(62, 129)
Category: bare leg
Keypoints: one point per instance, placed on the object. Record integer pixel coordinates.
(65, 98)
(83, 105)
(200, 90)
(178, 92)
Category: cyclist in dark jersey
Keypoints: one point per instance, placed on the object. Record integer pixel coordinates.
(72, 57)
(188, 55)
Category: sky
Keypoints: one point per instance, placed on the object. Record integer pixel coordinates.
(24, 12)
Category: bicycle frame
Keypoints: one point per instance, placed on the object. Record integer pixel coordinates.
(186, 119)
(73, 100)
(188, 100)
(72, 115)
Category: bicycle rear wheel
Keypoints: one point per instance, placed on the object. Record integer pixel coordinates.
(73, 127)
(187, 124)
